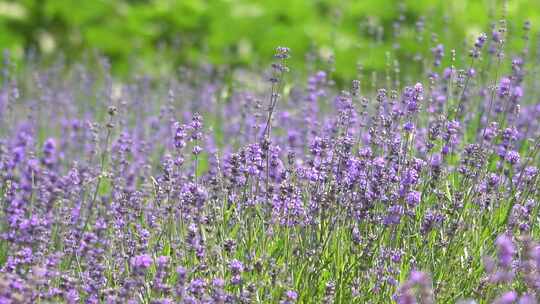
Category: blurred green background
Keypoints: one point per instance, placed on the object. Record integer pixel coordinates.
(159, 35)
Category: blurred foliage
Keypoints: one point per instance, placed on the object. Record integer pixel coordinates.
(161, 34)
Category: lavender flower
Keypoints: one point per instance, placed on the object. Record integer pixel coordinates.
(141, 262)
(512, 157)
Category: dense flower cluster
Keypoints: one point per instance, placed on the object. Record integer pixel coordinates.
(163, 191)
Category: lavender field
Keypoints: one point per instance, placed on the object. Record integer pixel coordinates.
(210, 185)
